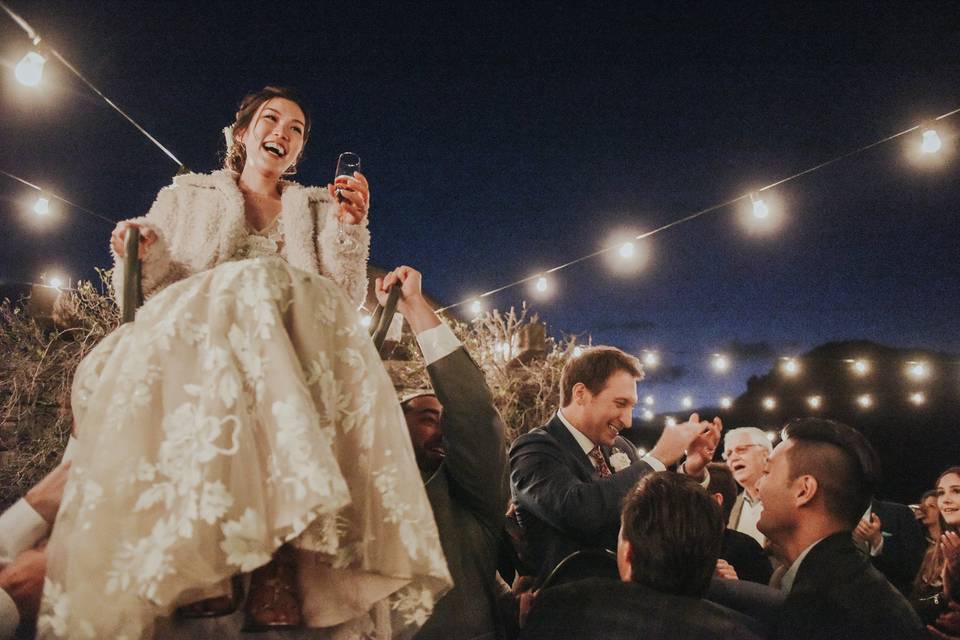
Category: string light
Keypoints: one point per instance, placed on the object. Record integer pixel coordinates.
(42, 206)
(918, 398)
(760, 208)
(626, 250)
(686, 401)
(649, 401)
(726, 403)
(918, 370)
(814, 402)
(577, 352)
(721, 363)
(641, 452)
(29, 71)
(476, 307)
(670, 421)
(865, 401)
(769, 403)
(647, 415)
(52, 196)
(790, 367)
(650, 358)
(541, 284)
(930, 142)
(861, 367)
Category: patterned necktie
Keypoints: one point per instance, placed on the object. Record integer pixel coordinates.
(599, 462)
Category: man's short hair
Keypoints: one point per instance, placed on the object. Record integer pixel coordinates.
(675, 530)
(757, 436)
(593, 368)
(846, 467)
(722, 482)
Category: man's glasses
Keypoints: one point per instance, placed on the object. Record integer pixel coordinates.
(741, 450)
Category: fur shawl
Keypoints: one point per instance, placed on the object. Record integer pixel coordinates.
(199, 221)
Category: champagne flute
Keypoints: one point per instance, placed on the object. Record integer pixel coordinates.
(347, 163)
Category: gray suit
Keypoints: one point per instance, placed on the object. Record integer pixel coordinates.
(469, 494)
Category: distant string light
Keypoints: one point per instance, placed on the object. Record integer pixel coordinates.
(541, 285)
(42, 206)
(476, 307)
(649, 401)
(47, 196)
(760, 209)
(577, 352)
(860, 367)
(720, 363)
(650, 358)
(814, 402)
(769, 403)
(930, 142)
(29, 71)
(670, 421)
(686, 402)
(790, 367)
(865, 401)
(726, 403)
(918, 398)
(647, 415)
(771, 436)
(918, 370)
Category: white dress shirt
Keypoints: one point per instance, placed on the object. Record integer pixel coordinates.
(437, 342)
(587, 445)
(786, 583)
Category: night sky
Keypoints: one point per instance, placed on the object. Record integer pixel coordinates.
(502, 140)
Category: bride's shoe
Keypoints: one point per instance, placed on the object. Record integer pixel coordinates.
(214, 607)
(274, 601)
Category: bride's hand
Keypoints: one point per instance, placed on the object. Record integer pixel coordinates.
(118, 238)
(354, 198)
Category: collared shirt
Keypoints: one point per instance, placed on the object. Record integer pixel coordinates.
(749, 516)
(21, 527)
(437, 342)
(587, 445)
(786, 583)
(866, 545)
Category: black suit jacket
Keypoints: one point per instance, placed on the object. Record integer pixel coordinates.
(903, 544)
(839, 595)
(746, 556)
(614, 610)
(563, 504)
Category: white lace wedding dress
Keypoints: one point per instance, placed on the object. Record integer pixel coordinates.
(244, 407)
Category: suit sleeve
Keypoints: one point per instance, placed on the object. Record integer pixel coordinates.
(476, 460)
(902, 551)
(545, 485)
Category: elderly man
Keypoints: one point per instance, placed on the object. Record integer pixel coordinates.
(816, 485)
(666, 551)
(458, 440)
(569, 477)
(745, 451)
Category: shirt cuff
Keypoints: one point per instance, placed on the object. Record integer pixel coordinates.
(9, 616)
(437, 342)
(70, 451)
(653, 462)
(21, 527)
(876, 551)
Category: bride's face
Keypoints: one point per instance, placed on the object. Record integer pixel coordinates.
(274, 138)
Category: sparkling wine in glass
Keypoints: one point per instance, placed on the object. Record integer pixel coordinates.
(347, 163)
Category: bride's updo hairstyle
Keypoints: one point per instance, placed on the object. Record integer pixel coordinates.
(236, 154)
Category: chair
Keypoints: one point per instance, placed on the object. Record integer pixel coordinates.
(133, 293)
(586, 563)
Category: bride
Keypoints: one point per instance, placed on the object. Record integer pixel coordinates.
(244, 415)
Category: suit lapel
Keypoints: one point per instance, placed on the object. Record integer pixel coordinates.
(570, 446)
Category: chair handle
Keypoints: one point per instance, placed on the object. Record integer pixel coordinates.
(132, 291)
(383, 317)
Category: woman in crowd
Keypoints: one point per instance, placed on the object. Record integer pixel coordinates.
(938, 582)
(244, 415)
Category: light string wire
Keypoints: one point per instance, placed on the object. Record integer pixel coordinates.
(36, 39)
(699, 213)
(60, 198)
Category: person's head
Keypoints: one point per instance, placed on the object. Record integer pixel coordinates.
(423, 414)
(269, 131)
(819, 480)
(598, 391)
(722, 487)
(929, 512)
(948, 499)
(670, 535)
(745, 451)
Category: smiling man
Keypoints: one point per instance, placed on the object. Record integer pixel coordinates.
(569, 477)
(745, 451)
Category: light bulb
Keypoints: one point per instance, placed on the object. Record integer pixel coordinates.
(918, 370)
(56, 282)
(670, 421)
(476, 307)
(865, 400)
(577, 352)
(29, 70)
(760, 209)
(42, 206)
(650, 358)
(687, 402)
(814, 402)
(541, 285)
(726, 403)
(790, 367)
(626, 250)
(649, 400)
(918, 398)
(769, 403)
(861, 367)
(647, 414)
(721, 363)
(930, 142)
(641, 452)
(771, 435)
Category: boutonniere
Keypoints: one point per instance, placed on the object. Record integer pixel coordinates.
(619, 460)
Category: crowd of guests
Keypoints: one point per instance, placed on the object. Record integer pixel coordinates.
(784, 542)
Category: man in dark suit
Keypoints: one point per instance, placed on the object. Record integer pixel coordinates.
(458, 439)
(816, 486)
(744, 554)
(892, 537)
(666, 553)
(569, 477)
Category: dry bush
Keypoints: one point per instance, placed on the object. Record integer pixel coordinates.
(36, 369)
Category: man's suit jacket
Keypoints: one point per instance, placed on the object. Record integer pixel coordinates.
(469, 495)
(563, 504)
(838, 594)
(737, 509)
(903, 544)
(614, 610)
(747, 557)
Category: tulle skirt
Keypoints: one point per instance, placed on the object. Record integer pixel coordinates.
(244, 408)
